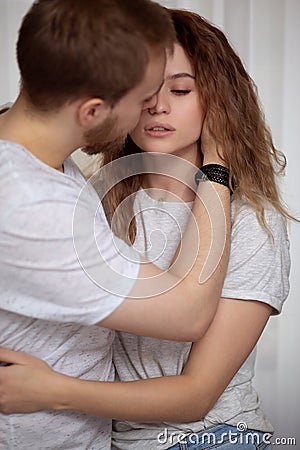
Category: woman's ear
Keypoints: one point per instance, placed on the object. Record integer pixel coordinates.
(92, 112)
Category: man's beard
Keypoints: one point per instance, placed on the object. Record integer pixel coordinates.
(106, 138)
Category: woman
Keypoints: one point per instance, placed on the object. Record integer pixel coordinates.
(181, 395)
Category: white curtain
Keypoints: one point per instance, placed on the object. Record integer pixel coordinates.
(266, 34)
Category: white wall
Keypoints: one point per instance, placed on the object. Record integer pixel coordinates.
(11, 13)
(266, 33)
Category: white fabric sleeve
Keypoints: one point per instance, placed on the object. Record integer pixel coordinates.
(47, 274)
(259, 267)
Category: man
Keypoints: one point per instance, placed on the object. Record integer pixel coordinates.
(87, 70)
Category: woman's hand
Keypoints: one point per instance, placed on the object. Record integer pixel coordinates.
(212, 153)
(22, 384)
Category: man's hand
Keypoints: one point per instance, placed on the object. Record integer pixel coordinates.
(22, 384)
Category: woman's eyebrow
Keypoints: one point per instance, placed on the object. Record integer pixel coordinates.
(180, 75)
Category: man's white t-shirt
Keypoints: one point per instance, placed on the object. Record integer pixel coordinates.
(57, 280)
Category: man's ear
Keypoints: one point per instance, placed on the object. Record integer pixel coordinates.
(92, 112)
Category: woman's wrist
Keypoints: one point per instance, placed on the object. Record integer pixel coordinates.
(207, 159)
(215, 173)
(60, 394)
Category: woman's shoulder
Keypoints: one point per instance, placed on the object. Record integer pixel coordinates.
(246, 217)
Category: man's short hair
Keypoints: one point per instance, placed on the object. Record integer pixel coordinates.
(69, 49)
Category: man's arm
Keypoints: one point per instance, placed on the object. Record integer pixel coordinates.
(67, 286)
(30, 385)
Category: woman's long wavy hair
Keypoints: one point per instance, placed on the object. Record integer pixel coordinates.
(234, 118)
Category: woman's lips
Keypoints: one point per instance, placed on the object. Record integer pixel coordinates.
(159, 129)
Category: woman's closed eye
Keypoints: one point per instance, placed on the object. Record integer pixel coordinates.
(180, 91)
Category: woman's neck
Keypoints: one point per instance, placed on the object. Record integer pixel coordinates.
(168, 188)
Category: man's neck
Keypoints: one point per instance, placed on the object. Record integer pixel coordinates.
(43, 134)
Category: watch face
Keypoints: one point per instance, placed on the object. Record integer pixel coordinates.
(200, 177)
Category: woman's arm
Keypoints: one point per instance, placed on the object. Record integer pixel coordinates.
(189, 292)
(31, 385)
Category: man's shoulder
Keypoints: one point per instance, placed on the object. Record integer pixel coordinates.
(26, 180)
(34, 195)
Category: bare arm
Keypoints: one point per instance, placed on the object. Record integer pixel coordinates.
(212, 364)
(185, 302)
(176, 296)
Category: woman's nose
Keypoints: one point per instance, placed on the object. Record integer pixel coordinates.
(160, 106)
